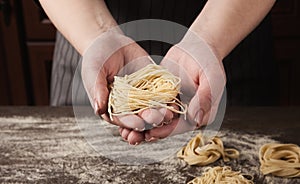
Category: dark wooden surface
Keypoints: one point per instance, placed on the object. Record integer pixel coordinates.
(44, 145)
(281, 122)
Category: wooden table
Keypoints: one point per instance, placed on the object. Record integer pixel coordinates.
(45, 145)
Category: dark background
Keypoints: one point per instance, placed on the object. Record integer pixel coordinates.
(27, 41)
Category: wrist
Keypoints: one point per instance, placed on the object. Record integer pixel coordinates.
(107, 42)
(195, 42)
(96, 30)
(210, 41)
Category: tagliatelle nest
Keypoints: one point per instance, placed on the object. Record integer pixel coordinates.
(203, 151)
(280, 160)
(222, 175)
(151, 87)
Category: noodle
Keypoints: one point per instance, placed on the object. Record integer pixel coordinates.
(200, 151)
(151, 87)
(280, 160)
(221, 175)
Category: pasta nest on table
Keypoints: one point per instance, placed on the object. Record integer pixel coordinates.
(222, 175)
(202, 151)
(280, 160)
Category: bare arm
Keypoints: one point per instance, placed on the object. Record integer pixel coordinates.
(223, 24)
(80, 21)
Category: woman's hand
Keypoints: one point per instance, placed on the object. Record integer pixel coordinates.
(222, 27)
(103, 60)
(109, 55)
(203, 82)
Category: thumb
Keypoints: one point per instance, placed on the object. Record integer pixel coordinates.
(95, 84)
(204, 105)
(101, 93)
(200, 105)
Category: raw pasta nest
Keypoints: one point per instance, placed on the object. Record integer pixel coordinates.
(222, 175)
(151, 87)
(280, 160)
(202, 151)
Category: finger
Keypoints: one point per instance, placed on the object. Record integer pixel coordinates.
(210, 116)
(131, 136)
(200, 104)
(125, 132)
(177, 126)
(158, 117)
(213, 78)
(152, 116)
(121, 130)
(106, 117)
(101, 93)
(130, 121)
(168, 114)
(176, 108)
(161, 132)
(135, 138)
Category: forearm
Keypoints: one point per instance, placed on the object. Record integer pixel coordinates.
(224, 23)
(80, 21)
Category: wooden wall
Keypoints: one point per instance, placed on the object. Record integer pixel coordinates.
(286, 33)
(27, 43)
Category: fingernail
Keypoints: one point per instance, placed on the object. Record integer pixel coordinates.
(163, 111)
(96, 107)
(146, 114)
(152, 139)
(139, 130)
(167, 122)
(134, 144)
(157, 125)
(199, 117)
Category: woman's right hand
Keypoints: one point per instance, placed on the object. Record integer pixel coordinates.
(110, 54)
(104, 59)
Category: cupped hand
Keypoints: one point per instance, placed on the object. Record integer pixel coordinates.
(202, 85)
(102, 61)
(109, 55)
